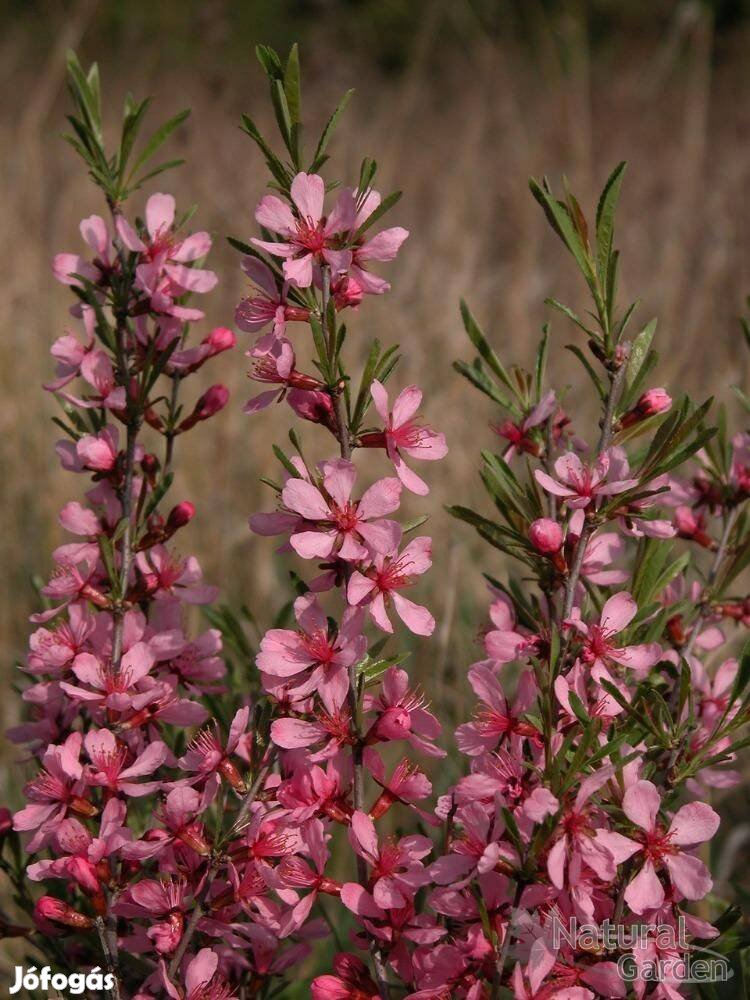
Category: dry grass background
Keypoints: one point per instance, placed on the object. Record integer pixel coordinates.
(462, 121)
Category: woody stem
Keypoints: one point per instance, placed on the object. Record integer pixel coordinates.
(358, 782)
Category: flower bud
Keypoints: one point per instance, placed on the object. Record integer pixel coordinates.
(49, 909)
(212, 400)
(221, 338)
(546, 536)
(150, 466)
(314, 406)
(651, 402)
(692, 527)
(180, 515)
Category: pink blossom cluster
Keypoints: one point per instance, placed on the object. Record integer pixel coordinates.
(202, 840)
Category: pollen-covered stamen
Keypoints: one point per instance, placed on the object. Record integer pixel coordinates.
(598, 644)
(345, 517)
(412, 434)
(46, 787)
(206, 745)
(657, 843)
(319, 645)
(489, 722)
(163, 245)
(389, 860)
(394, 574)
(310, 236)
(110, 763)
(338, 726)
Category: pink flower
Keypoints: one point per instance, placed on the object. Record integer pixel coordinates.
(691, 825)
(110, 687)
(497, 720)
(314, 647)
(599, 648)
(396, 869)
(268, 305)
(218, 340)
(406, 785)
(337, 525)
(162, 272)
(505, 643)
(382, 247)
(206, 756)
(546, 536)
(99, 452)
(69, 352)
(309, 237)
(379, 586)
(79, 853)
(276, 367)
(202, 981)
(650, 403)
(97, 370)
(95, 234)
(151, 898)
(172, 576)
(109, 759)
(580, 484)
(351, 982)
(402, 715)
(404, 434)
(57, 788)
(517, 434)
(581, 841)
(179, 813)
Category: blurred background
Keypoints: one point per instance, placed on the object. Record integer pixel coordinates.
(459, 101)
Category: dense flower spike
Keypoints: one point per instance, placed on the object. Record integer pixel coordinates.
(337, 696)
(583, 767)
(182, 818)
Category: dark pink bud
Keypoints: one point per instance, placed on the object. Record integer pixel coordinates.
(57, 912)
(180, 515)
(6, 822)
(393, 724)
(314, 406)
(212, 400)
(546, 536)
(221, 338)
(150, 466)
(652, 401)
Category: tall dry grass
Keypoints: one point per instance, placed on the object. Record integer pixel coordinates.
(460, 130)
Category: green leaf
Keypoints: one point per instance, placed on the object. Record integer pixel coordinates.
(601, 391)
(292, 85)
(325, 136)
(385, 205)
(476, 374)
(158, 138)
(541, 362)
(559, 217)
(572, 316)
(605, 220)
(479, 341)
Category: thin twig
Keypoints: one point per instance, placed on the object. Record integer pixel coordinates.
(716, 565)
(358, 780)
(615, 392)
(109, 959)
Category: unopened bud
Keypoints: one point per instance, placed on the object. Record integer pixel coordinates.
(180, 515)
(546, 536)
(212, 400)
(57, 912)
(314, 406)
(652, 401)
